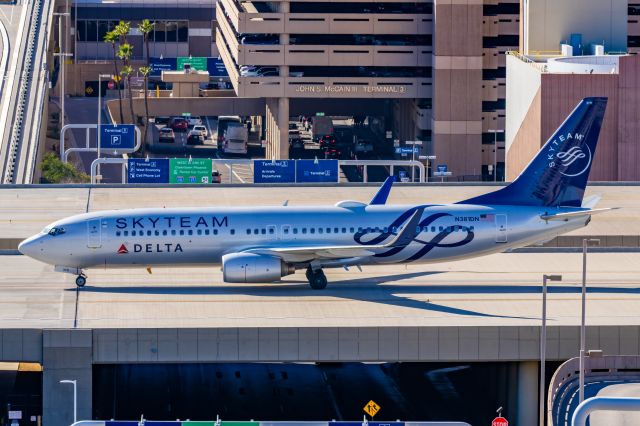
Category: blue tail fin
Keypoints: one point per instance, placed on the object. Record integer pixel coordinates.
(558, 175)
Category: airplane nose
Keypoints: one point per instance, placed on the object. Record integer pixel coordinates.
(28, 246)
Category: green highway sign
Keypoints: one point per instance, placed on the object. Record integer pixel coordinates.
(186, 114)
(190, 170)
(197, 63)
(319, 114)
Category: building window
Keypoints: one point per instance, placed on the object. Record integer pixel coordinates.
(92, 31)
(159, 34)
(183, 31)
(172, 31)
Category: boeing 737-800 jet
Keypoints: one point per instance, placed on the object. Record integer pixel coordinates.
(264, 244)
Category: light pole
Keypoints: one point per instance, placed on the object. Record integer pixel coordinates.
(428, 158)
(413, 156)
(100, 77)
(495, 152)
(75, 398)
(543, 341)
(63, 57)
(583, 330)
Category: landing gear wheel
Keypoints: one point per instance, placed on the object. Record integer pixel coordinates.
(81, 280)
(317, 280)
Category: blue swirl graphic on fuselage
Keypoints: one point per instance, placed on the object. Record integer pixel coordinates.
(427, 246)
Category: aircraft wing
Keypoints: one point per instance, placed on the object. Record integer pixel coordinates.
(571, 215)
(311, 252)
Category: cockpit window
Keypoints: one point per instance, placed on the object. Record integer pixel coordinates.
(56, 231)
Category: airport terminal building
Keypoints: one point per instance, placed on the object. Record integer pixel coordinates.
(428, 70)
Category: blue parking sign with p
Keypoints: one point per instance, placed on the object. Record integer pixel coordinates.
(120, 137)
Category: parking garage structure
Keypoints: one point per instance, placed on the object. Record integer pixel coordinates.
(324, 50)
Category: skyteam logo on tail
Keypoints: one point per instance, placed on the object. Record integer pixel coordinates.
(572, 162)
(569, 157)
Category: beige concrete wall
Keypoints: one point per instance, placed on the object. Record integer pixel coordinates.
(523, 83)
(551, 22)
(618, 151)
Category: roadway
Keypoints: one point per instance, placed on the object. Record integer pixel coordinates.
(498, 290)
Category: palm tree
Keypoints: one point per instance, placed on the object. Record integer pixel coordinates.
(145, 28)
(125, 51)
(112, 37)
(145, 71)
(122, 30)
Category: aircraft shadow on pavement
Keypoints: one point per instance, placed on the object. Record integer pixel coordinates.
(371, 289)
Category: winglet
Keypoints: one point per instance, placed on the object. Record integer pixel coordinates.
(408, 233)
(383, 193)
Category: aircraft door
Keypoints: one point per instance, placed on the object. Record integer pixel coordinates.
(501, 228)
(286, 232)
(94, 233)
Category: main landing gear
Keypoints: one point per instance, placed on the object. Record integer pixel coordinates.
(317, 279)
(81, 280)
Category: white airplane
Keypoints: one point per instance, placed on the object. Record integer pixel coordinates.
(264, 244)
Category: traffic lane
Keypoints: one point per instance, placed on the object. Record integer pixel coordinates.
(80, 110)
(496, 290)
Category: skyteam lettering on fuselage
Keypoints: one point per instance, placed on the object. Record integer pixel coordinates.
(171, 221)
(263, 244)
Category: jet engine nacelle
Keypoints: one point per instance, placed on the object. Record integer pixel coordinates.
(253, 268)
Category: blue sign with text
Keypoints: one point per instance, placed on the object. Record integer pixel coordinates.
(153, 170)
(162, 64)
(317, 171)
(442, 168)
(118, 137)
(404, 150)
(278, 171)
(216, 68)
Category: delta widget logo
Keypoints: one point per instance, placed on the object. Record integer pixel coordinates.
(123, 249)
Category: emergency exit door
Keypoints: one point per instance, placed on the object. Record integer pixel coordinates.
(94, 234)
(501, 228)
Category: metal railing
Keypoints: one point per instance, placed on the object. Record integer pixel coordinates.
(26, 76)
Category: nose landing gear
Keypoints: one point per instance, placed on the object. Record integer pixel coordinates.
(317, 279)
(81, 280)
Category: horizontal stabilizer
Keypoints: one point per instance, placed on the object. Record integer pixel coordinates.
(571, 215)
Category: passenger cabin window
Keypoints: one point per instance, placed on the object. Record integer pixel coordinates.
(295, 230)
(271, 231)
(233, 232)
(173, 232)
